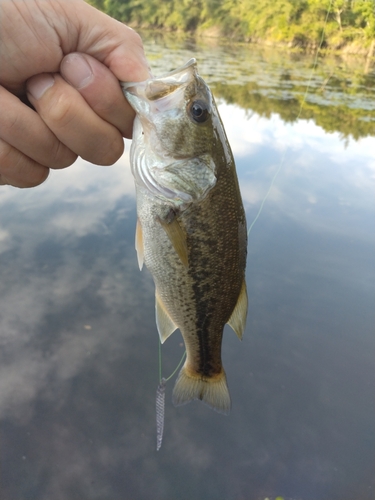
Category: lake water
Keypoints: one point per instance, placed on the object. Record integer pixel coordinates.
(78, 341)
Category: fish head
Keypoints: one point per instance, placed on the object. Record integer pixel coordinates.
(177, 112)
(179, 141)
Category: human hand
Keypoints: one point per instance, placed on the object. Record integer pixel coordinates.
(65, 58)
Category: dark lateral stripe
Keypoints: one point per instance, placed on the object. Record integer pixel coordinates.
(207, 364)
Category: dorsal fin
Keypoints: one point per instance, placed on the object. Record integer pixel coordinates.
(237, 320)
(139, 244)
(164, 322)
(177, 237)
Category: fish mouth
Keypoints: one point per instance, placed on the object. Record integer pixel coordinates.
(156, 94)
(173, 78)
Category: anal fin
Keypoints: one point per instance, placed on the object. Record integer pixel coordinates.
(164, 323)
(237, 321)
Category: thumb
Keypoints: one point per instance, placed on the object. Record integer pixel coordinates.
(113, 43)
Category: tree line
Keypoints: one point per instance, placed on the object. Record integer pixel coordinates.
(299, 23)
(347, 121)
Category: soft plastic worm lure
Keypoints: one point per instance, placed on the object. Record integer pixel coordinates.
(160, 407)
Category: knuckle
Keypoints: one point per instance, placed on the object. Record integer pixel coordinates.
(12, 122)
(61, 156)
(137, 40)
(18, 170)
(113, 152)
(6, 152)
(61, 111)
(106, 106)
(39, 175)
(106, 150)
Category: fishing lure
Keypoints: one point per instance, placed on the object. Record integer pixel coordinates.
(160, 408)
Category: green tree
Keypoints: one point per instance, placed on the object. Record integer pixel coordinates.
(297, 22)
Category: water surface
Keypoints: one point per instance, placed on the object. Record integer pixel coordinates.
(78, 342)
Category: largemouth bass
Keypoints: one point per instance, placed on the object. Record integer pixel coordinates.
(191, 229)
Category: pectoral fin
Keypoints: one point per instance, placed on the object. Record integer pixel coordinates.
(177, 237)
(139, 244)
(164, 322)
(238, 319)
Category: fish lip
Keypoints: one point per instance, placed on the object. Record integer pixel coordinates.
(126, 86)
(155, 95)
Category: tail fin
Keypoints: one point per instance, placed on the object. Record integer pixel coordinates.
(212, 391)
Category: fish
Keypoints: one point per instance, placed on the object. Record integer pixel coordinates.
(191, 231)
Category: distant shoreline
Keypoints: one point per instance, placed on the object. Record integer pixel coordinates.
(353, 48)
(336, 27)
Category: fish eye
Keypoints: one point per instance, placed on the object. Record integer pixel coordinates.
(199, 111)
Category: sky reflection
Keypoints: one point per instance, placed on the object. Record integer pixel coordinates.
(78, 341)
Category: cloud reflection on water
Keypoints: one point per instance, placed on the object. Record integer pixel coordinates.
(320, 175)
(78, 342)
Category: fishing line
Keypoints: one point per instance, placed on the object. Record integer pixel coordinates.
(298, 116)
(177, 367)
(159, 360)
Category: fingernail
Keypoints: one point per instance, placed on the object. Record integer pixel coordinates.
(38, 85)
(76, 70)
